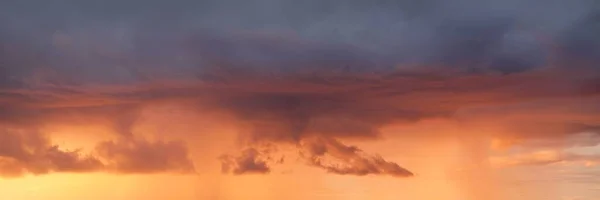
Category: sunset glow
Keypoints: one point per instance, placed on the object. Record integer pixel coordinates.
(300, 100)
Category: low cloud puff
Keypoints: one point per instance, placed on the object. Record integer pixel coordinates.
(29, 152)
(24, 152)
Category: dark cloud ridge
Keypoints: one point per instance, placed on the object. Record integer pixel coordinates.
(109, 42)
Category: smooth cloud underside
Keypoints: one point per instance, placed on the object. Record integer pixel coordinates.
(311, 85)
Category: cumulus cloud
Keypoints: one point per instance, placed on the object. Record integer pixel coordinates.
(348, 159)
(30, 152)
(248, 162)
(23, 152)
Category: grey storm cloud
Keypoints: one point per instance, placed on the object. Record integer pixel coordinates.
(94, 38)
(292, 71)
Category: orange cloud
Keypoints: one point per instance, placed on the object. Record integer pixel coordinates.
(299, 92)
(248, 162)
(23, 152)
(293, 109)
(544, 158)
(142, 156)
(348, 159)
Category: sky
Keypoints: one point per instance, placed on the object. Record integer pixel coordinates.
(313, 99)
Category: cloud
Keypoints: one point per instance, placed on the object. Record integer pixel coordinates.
(315, 75)
(136, 42)
(24, 152)
(547, 157)
(142, 156)
(348, 160)
(247, 163)
(29, 152)
(543, 123)
(290, 109)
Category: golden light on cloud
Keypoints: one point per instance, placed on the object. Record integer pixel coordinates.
(228, 100)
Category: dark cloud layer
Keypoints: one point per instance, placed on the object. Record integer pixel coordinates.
(304, 73)
(107, 42)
